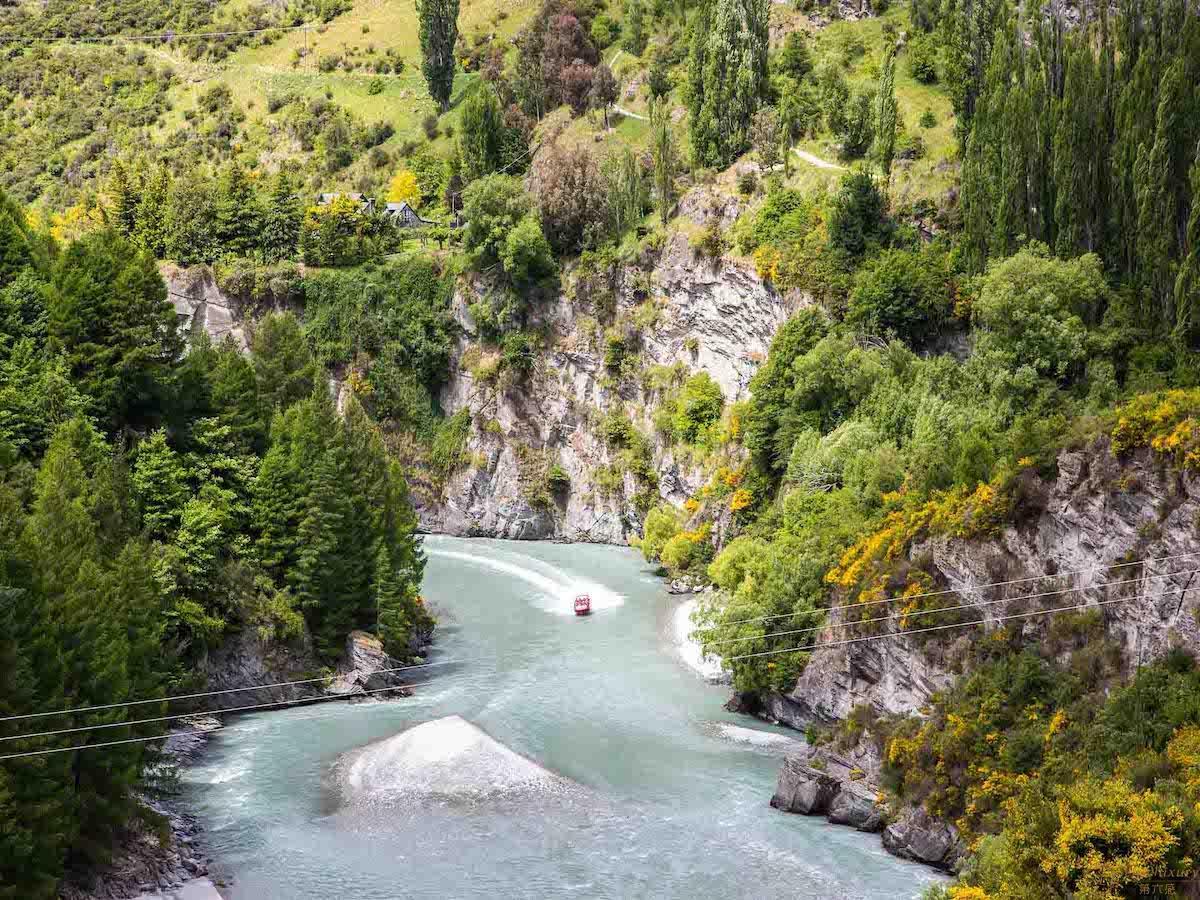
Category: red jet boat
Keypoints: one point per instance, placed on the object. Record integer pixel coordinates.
(583, 605)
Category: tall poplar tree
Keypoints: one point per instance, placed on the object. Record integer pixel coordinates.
(438, 32)
(665, 158)
(727, 72)
(885, 116)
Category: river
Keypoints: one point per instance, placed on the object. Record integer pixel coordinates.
(656, 791)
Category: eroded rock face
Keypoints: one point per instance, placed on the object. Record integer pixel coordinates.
(243, 660)
(201, 306)
(717, 317)
(840, 786)
(365, 666)
(1100, 513)
(920, 837)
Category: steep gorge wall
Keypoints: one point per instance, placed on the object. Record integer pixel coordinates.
(713, 316)
(1099, 514)
(1126, 530)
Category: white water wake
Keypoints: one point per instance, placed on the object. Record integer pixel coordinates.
(707, 666)
(556, 588)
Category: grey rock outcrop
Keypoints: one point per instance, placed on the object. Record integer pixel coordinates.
(820, 781)
(365, 666)
(920, 837)
(201, 306)
(1099, 515)
(717, 317)
(1117, 531)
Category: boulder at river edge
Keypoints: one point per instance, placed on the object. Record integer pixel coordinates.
(817, 781)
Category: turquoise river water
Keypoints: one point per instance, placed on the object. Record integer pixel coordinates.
(604, 768)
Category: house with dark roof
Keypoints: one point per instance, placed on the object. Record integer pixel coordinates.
(404, 216)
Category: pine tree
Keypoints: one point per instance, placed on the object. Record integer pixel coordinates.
(35, 802)
(393, 625)
(159, 482)
(149, 221)
(438, 32)
(283, 365)
(281, 218)
(122, 202)
(727, 71)
(235, 398)
(110, 318)
(16, 254)
(885, 116)
(238, 218)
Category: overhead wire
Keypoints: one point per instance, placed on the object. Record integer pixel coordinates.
(895, 634)
(424, 666)
(974, 587)
(819, 646)
(464, 678)
(945, 609)
(200, 694)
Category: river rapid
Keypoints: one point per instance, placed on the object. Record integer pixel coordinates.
(552, 756)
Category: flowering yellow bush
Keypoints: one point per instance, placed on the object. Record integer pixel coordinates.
(956, 513)
(1165, 421)
(741, 499)
(1111, 837)
(766, 263)
(967, 892)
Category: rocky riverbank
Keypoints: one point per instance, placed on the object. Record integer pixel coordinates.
(1098, 513)
(161, 855)
(843, 787)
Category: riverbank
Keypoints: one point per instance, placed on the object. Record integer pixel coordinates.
(161, 856)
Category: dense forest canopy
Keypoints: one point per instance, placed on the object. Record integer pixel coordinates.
(999, 259)
(156, 501)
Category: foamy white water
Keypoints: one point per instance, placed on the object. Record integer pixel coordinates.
(756, 737)
(448, 757)
(556, 588)
(708, 666)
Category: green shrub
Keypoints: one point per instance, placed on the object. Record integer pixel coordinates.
(902, 292)
(922, 58)
(699, 405)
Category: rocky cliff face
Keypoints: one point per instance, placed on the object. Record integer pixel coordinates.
(1086, 527)
(1089, 523)
(715, 316)
(245, 661)
(201, 305)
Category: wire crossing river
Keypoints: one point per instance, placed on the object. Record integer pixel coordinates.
(560, 757)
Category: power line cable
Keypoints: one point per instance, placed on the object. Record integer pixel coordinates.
(223, 728)
(895, 634)
(274, 704)
(929, 612)
(202, 694)
(845, 642)
(975, 587)
(198, 695)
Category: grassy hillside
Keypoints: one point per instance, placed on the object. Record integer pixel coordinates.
(268, 100)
